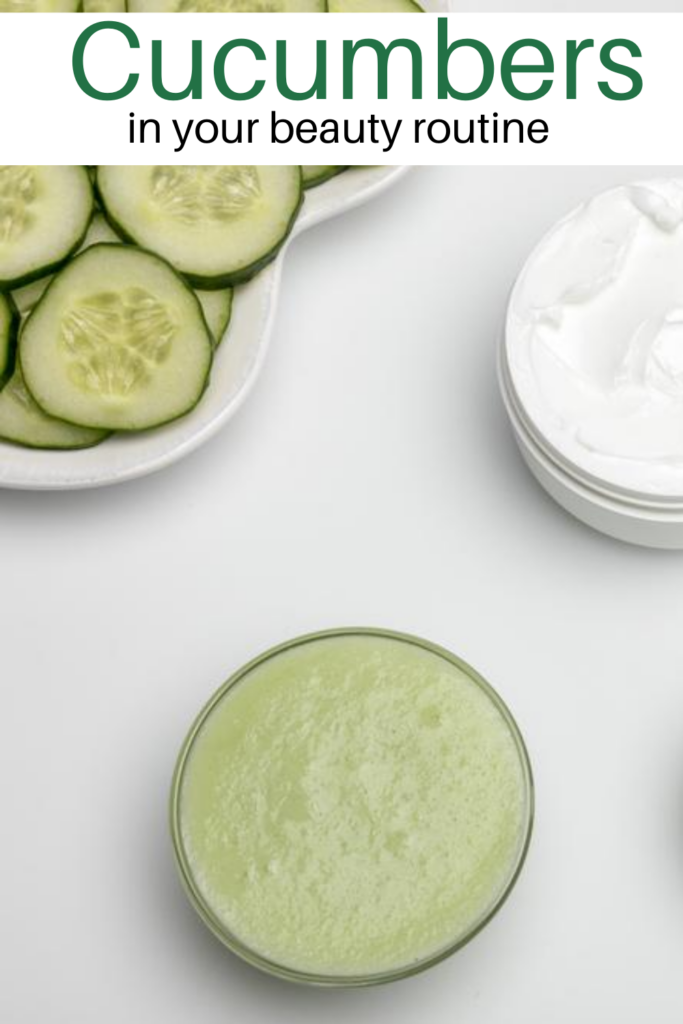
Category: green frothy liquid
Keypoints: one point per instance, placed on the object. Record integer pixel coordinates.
(354, 805)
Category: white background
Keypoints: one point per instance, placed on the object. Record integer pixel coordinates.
(51, 115)
(370, 479)
(511, 6)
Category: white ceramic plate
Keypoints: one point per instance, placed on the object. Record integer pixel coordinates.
(235, 369)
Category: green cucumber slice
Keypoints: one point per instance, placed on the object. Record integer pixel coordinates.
(39, 6)
(44, 215)
(216, 225)
(227, 6)
(28, 296)
(9, 325)
(217, 309)
(99, 230)
(316, 174)
(23, 422)
(104, 6)
(374, 7)
(118, 342)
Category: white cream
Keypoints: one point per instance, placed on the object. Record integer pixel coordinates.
(594, 338)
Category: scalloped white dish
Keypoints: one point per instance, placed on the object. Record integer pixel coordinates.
(236, 367)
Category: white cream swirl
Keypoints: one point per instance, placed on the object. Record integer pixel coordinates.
(594, 338)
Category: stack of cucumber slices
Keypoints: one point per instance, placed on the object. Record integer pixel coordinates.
(116, 288)
(214, 6)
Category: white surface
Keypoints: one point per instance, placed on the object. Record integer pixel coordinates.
(595, 6)
(235, 368)
(371, 479)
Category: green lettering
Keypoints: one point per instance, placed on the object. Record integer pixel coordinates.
(79, 54)
(219, 70)
(194, 88)
(620, 69)
(445, 89)
(319, 87)
(383, 52)
(508, 69)
(573, 51)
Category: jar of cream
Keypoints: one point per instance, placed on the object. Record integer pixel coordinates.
(351, 808)
(591, 362)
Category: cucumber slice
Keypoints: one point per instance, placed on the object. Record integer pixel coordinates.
(28, 296)
(227, 6)
(9, 324)
(44, 215)
(104, 6)
(99, 230)
(216, 225)
(316, 174)
(23, 422)
(374, 7)
(217, 309)
(118, 342)
(39, 6)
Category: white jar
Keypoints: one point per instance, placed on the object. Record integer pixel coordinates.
(591, 362)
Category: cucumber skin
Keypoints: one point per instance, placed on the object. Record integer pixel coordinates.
(53, 448)
(122, 430)
(226, 325)
(44, 447)
(7, 370)
(52, 268)
(20, 443)
(209, 284)
(326, 176)
(56, 448)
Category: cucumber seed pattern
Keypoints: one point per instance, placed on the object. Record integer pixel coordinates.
(17, 195)
(115, 340)
(198, 194)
